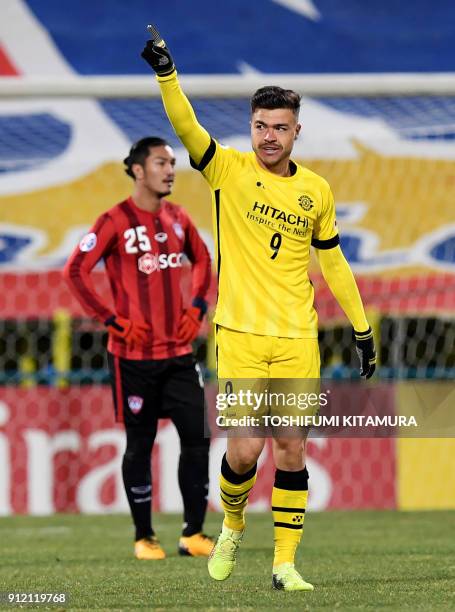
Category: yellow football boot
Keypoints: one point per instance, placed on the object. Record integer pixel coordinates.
(286, 578)
(222, 559)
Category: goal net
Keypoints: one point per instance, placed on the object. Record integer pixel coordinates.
(389, 160)
(388, 152)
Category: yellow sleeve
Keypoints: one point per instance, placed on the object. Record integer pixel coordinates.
(206, 155)
(338, 276)
(194, 137)
(325, 232)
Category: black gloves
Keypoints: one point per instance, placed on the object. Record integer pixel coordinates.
(157, 55)
(364, 344)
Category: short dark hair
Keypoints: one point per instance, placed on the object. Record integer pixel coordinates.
(275, 97)
(140, 151)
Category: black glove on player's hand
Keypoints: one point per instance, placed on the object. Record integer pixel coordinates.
(364, 344)
(157, 55)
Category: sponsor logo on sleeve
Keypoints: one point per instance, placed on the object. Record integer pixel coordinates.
(88, 242)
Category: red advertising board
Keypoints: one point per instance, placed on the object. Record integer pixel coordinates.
(61, 451)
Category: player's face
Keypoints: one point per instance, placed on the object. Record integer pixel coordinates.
(273, 132)
(159, 171)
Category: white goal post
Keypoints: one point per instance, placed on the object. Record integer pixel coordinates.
(230, 86)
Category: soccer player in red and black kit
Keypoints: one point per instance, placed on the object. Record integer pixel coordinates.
(143, 241)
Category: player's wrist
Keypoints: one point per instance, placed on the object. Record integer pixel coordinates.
(363, 335)
(191, 320)
(201, 305)
(162, 78)
(113, 323)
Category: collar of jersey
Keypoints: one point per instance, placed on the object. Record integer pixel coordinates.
(277, 177)
(132, 203)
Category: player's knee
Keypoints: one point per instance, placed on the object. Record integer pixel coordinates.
(139, 445)
(194, 442)
(194, 453)
(288, 453)
(242, 454)
(293, 446)
(242, 461)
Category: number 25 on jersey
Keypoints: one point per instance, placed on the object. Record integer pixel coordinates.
(136, 239)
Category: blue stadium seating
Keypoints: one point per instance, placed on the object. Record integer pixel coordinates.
(105, 36)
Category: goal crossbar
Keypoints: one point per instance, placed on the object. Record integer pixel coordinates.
(230, 86)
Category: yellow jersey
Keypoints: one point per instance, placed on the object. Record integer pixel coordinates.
(264, 225)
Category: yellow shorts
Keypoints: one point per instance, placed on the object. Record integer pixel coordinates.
(244, 355)
(266, 376)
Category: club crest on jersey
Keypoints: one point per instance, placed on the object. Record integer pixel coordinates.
(178, 229)
(88, 242)
(135, 403)
(161, 237)
(306, 202)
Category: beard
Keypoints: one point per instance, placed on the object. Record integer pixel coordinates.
(162, 194)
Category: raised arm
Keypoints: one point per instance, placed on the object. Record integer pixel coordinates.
(178, 108)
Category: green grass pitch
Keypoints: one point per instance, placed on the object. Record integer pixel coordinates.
(356, 561)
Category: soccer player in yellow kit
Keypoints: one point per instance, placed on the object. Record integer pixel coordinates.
(268, 212)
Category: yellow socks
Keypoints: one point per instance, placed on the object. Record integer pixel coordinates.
(234, 491)
(289, 500)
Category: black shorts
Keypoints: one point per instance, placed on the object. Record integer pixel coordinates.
(147, 390)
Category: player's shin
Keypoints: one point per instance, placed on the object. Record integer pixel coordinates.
(234, 491)
(289, 500)
(137, 480)
(194, 481)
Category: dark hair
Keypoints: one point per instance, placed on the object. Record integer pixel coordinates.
(275, 97)
(140, 151)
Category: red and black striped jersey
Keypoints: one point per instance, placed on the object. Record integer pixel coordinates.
(143, 253)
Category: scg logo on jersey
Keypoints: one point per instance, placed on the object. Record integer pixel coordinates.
(149, 263)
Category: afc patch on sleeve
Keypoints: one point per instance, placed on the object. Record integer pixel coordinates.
(88, 242)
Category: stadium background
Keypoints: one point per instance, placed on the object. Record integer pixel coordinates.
(390, 161)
